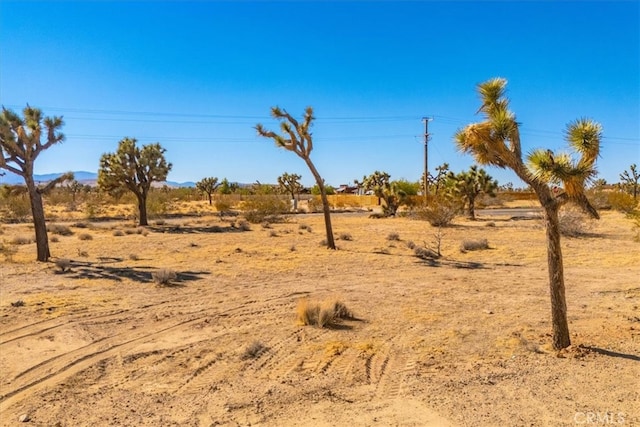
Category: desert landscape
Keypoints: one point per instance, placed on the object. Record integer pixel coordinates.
(460, 340)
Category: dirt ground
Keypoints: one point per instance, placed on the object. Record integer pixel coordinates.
(460, 341)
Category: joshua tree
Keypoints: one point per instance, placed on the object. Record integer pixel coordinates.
(290, 183)
(437, 181)
(629, 179)
(376, 182)
(496, 141)
(208, 186)
(469, 185)
(20, 145)
(134, 169)
(296, 137)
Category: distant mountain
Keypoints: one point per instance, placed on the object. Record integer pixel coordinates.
(84, 177)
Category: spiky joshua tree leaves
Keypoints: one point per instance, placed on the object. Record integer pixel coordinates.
(20, 145)
(295, 136)
(555, 178)
(134, 169)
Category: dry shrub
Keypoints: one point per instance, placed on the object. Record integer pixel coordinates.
(254, 350)
(573, 222)
(474, 245)
(59, 229)
(164, 276)
(54, 239)
(22, 240)
(323, 315)
(345, 236)
(393, 236)
(8, 251)
(64, 264)
(305, 227)
(244, 225)
(439, 212)
(118, 233)
(85, 236)
(260, 208)
(622, 201)
(423, 252)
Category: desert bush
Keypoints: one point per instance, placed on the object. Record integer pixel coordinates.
(164, 276)
(222, 206)
(59, 229)
(345, 236)
(22, 240)
(411, 245)
(424, 252)
(273, 233)
(18, 208)
(474, 245)
(439, 212)
(158, 204)
(393, 236)
(8, 251)
(64, 264)
(118, 233)
(81, 224)
(322, 315)
(134, 257)
(83, 253)
(159, 222)
(85, 236)
(634, 216)
(622, 201)
(18, 303)
(573, 222)
(244, 226)
(54, 239)
(266, 224)
(305, 227)
(253, 350)
(260, 208)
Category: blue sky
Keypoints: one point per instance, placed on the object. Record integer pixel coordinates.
(197, 76)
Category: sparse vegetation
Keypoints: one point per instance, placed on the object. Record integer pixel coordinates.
(438, 211)
(254, 350)
(164, 276)
(474, 245)
(85, 236)
(323, 315)
(64, 264)
(345, 236)
(393, 236)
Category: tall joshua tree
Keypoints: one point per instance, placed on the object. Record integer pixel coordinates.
(469, 185)
(208, 186)
(20, 145)
(295, 136)
(629, 180)
(290, 182)
(134, 169)
(496, 141)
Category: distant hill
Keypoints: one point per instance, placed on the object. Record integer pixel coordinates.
(84, 177)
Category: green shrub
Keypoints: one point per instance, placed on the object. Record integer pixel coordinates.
(622, 202)
(258, 209)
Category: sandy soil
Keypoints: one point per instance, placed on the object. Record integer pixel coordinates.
(463, 341)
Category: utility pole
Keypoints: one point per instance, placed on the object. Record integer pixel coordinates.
(426, 121)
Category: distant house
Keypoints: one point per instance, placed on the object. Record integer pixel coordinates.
(346, 189)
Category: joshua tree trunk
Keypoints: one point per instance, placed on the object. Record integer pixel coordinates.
(472, 208)
(39, 223)
(325, 204)
(142, 208)
(560, 326)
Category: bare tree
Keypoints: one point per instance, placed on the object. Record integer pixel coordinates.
(20, 145)
(496, 141)
(134, 169)
(296, 137)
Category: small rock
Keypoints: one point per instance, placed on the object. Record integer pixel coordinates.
(24, 418)
(488, 311)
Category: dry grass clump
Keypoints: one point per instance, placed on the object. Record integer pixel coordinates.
(85, 236)
(64, 264)
(164, 276)
(439, 212)
(118, 233)
(59, 229)
(134, 257)
(305, 227)
(244, 225)
(22, 240)
(393, 236)
(345, 236)
(474, 245)
(573, 223)
(254, 350)
(326, 314)
(54, 239)
(8, 251)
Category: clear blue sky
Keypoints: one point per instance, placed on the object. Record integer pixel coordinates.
(197, 76)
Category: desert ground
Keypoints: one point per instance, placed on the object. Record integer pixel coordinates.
(463, 340)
